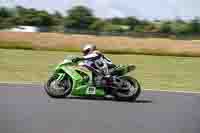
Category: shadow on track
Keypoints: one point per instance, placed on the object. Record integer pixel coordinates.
(108, 99)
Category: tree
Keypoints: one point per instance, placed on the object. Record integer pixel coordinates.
(44, 19)
(128, 21)
(26, 16)
(98, 25)
(166, 27)
(116, 20)
(79, 17)
(131, 21)
(5, 12)
(109, 27)
(6, 15)
(180, 27)
(21, 11)
(33, 17)
(195, 25)
(58, 18)
(180, 21)
(57, 14)
(6, 23)
(139, 28)
(151, 27)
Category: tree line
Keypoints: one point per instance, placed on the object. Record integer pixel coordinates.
(82, 18)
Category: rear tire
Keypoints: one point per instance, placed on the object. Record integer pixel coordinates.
(132, 96)
(58, 91)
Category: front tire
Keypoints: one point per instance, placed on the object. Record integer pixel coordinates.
(58, 89)
(133, 92)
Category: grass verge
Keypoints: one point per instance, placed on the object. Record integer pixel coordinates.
(16, 45)
(153, 72)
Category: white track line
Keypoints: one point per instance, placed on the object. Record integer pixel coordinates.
(22, 83)
(174, 91)
(153, 90)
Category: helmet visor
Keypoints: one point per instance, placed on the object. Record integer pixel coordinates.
(86, 52)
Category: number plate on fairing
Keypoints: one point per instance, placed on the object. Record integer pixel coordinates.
(91, 90)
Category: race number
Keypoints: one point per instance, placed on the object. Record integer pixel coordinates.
(91, 90)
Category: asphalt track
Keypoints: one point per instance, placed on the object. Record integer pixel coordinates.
(27, 109)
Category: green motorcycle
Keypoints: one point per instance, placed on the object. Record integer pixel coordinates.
(70, 78)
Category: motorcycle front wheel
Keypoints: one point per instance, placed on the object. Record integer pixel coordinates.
(58, 89)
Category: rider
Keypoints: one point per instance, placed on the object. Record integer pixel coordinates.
(95, 60)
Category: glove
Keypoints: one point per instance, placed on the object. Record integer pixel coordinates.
(76, 59)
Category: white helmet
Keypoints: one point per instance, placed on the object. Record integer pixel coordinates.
(88, 49)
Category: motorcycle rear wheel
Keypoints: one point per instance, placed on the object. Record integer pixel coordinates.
(133, 92)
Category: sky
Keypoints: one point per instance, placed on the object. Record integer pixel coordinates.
(144, 9)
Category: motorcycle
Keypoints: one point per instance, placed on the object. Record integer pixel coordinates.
(72, 78)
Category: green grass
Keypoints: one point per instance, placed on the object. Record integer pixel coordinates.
(16, 45)
(153, 72)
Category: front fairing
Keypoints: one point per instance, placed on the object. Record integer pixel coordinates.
(67, 61)
(81, 78)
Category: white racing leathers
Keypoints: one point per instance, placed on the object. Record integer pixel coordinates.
(98, 62)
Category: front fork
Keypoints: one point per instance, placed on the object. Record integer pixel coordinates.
(60, 77)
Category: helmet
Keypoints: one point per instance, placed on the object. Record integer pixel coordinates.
(88, 48)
